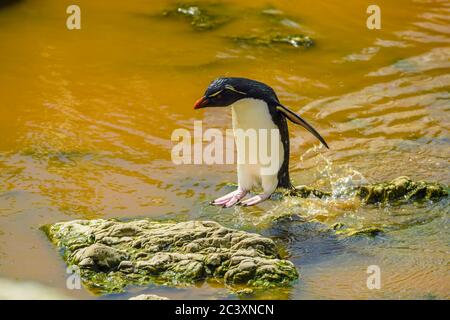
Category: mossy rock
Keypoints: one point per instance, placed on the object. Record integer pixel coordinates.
(401, 189)
(112, 254)
(306, 192)
(397, 191)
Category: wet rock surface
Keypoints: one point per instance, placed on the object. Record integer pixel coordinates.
(306, 191)
(112, 254)
(401, 189)
(396, 191)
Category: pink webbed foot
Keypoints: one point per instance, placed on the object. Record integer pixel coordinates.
(230, 199)
(255, 200)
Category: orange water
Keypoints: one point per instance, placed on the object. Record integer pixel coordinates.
(86, 118)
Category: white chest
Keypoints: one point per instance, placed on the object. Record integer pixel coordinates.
(258, 144)
(251, 114)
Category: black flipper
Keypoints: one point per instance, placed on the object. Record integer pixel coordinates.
(295, 118)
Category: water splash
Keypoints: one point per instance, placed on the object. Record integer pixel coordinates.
(341, 180)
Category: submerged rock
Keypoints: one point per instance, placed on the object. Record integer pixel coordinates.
(313, 228)
(210, 16)
(268, 40)
(201, 18)
(399, 190)
(113, 254)
(342, 229)
(306, 239)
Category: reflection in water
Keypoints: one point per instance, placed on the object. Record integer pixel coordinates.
(86, 119)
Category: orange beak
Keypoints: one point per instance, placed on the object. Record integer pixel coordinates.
(201, 103)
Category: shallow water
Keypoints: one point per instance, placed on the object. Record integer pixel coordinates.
(86, 118)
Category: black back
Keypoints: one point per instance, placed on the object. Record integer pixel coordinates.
(280, 121)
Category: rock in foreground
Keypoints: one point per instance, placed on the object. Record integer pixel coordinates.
(113, 254)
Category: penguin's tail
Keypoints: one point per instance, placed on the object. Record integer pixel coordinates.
(285, 183)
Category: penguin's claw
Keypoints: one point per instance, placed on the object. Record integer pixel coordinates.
(222, 202)
(225, 198)
(230, 199)
(255, 200)
(235, 199)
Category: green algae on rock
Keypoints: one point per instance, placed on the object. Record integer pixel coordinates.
(294, 40)
(305, 192)
(398, 190)
(200, 17)
(401, 189)
(112, 254)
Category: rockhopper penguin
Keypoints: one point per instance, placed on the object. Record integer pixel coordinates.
(255, 106)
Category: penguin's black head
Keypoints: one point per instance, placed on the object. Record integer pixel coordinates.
(223, 92)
